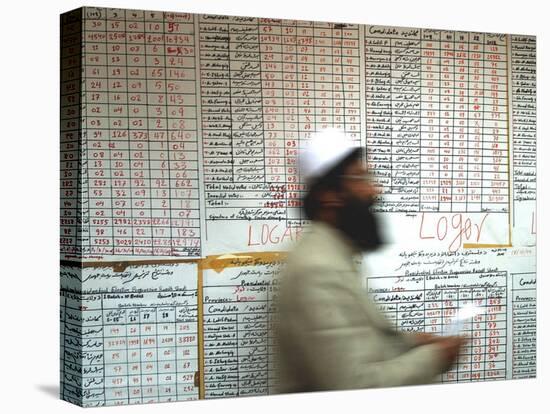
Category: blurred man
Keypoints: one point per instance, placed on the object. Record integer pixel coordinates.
(331, 336)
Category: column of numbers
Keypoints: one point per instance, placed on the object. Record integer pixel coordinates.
(460, 164)
(98, 133)
(72, 165)
(181, 124)
(346, 80)
(120, 203)
(495, 125)
(271, 68)
(159, 147)
(290, 76)
(429, 120)
(447, 104)
(475, 121)
(495, 352)
(115, 349)
(166, 340)
(138, 136)
(325, 72)
(478, 340)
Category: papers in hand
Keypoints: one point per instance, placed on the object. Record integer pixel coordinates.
(465, 315)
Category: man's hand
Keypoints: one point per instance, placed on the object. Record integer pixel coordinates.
(449, 347)
(421, 338)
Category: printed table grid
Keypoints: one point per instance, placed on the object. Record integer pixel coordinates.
(239, 346)
(294, 78)
(417, 304)
(70, 135)
(173, 121)
(114, 355)
(437, 130)
(436, 122)
(141, 134)
(524, 325)
(523, 54)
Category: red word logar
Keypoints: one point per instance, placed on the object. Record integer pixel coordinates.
(272, 234)
(455, 228)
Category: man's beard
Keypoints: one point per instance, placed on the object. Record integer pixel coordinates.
(360, 224)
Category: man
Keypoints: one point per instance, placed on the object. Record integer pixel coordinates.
(331, 336)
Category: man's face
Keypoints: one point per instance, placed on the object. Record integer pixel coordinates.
(356, 183)
(355, 217)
